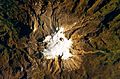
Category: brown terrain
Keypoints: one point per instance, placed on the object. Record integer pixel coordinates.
(93, 26)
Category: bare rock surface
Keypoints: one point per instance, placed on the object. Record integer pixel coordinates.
(92, 25)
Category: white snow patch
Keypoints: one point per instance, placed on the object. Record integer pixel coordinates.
(57, 45)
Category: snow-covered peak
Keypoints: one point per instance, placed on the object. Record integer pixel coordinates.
(57, 45)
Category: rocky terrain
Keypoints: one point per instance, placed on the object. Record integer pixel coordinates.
(92, 25)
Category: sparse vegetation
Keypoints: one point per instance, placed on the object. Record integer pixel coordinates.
(93, 25)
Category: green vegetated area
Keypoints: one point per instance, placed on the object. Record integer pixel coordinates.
(13, 37)
(15, 31)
